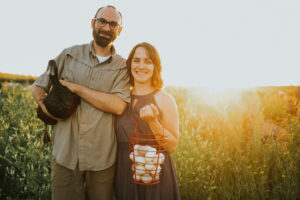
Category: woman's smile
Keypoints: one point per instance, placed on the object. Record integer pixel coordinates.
(142, 66)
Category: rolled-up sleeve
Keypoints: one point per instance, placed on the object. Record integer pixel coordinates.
(44, 81)
(121, 86)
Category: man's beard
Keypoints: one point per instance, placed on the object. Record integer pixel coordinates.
(103, 41)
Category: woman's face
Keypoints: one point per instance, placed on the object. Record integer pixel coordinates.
(141, 67)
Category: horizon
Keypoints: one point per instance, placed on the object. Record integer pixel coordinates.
(205, 88)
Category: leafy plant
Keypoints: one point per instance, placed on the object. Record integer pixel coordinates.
(226, 149)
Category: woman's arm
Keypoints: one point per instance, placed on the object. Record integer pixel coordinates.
(169, 124)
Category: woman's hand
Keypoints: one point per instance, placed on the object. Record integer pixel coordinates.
(149, 113)
(69, 85)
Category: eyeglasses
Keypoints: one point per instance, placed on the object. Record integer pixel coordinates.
(101, 22)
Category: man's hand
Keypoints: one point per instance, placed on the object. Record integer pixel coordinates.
(69, 85)
(103, 101)
(39, 95)
(42, 105)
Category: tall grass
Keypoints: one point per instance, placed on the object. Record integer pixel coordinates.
(246, 147)
(225, 152)
(24, 160)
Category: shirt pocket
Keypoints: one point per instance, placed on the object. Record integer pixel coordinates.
(75, 71)
(103, 79)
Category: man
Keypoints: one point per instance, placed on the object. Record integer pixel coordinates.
(84, 145)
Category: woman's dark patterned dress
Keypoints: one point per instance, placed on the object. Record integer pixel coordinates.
(126, 189)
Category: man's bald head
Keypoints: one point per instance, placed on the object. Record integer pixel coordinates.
(109, 7)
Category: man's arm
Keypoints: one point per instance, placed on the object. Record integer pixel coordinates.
(39, 94)
(103, 101)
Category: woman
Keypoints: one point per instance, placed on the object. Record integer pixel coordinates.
(155, 112)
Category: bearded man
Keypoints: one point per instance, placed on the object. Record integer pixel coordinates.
(84, 145)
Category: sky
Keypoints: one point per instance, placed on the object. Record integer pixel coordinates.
(216, 43)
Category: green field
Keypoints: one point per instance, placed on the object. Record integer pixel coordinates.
(238, 145)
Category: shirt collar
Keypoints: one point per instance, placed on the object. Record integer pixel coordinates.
(92, 50)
